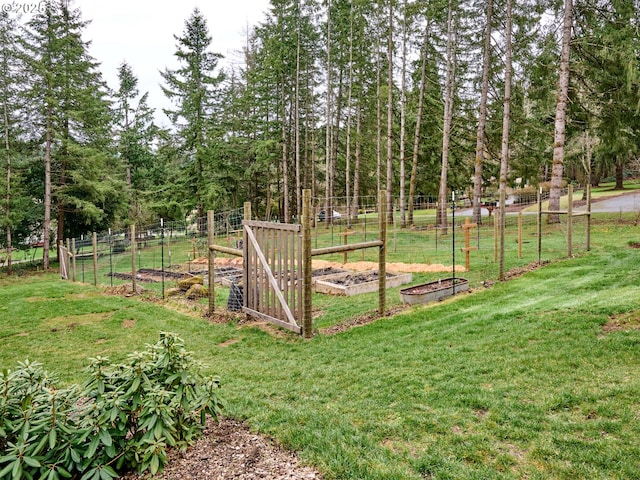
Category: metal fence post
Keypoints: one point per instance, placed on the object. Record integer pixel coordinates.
(307, 319)
(133, 258)
(382, 259)
(210, 241)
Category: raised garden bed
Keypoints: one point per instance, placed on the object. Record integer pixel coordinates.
(352, 283)
(434, 291)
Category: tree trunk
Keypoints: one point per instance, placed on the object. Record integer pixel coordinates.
(446, 128)
(46, 225)
(8, 192)
(506, 115)
(390, 117)
(297, 125)
(482, 120)
(403, 107)
(285, 155)
(356, 168)
(506, 121)
(561, 115)
(328, 148)
(378, 118)
(619, 172)
(349, 107)
(416, 139)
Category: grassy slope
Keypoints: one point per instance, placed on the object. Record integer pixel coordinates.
(517, 381)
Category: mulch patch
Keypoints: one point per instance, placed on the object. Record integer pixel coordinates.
(229, 450)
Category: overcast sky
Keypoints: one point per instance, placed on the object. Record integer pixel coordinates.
(141, 32)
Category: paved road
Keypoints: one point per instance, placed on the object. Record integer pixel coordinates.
(624, 202)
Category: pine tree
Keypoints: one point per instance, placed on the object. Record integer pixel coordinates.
(135, 132)
(193, 89)
(72, 123)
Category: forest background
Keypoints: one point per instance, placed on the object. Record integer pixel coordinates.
(344, 97)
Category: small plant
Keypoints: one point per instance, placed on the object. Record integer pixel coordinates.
(124, 417)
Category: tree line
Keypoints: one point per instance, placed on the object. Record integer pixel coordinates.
(344, 97)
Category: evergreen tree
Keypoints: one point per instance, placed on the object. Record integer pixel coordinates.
(193, 88)
(72, 125)
(135, 133)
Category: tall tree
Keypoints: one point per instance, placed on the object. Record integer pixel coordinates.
(9, 81)
(71, 120)
(448, 119)
(561, 112)
(482, 115)
(193, 88)
(135, 133)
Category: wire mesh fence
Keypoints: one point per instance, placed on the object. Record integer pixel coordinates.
(162, 255)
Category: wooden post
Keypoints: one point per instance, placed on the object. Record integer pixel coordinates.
(588, 217)
(212, 276)
(247, 210)
(496, 226)
(95, 258)
(467, 242)
(570, 221)
(73, 259)
(520, 234)
(503, 223)
(539, 225)
(133, 259)
(307, 319)
(382, 260)
(68, 259)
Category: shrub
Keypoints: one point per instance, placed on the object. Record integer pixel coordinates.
(124, 417)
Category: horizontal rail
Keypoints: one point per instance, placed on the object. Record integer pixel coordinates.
(346, 248)
(288, 326)
(292, 227)
(231, 251)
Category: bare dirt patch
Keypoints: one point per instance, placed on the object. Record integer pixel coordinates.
(128, 323)
(229, 450)
(361, 320)
(622, 323)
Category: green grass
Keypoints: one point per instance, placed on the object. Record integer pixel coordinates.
(516, 381)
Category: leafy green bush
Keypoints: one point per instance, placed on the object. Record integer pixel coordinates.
(124, 416)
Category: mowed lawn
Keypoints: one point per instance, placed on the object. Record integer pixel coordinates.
(537, 377)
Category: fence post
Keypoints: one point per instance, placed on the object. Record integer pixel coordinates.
(95, 258)
(382, 260)
(247, 210)
(73, 259)
(496, 226)
(68, 260)
(569, 220)
(307, 319)
(588, 217)
(503, 226)
(539, 225)
(133, 258)
(210, 241)
(520, 234)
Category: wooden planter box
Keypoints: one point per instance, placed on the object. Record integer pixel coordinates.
(433, 291)
(348, 283)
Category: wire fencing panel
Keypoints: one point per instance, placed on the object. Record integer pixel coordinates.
(169, 251)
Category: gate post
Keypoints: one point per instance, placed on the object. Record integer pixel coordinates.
(307, 320)
(133, 258)
(570, 221)
(210, 241)
(95, 258)
(382, 260)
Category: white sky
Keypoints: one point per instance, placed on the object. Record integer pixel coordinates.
(141, 32)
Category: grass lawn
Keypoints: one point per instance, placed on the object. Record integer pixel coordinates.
(536, 378)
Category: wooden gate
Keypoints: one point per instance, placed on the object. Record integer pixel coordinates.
(273, 272)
